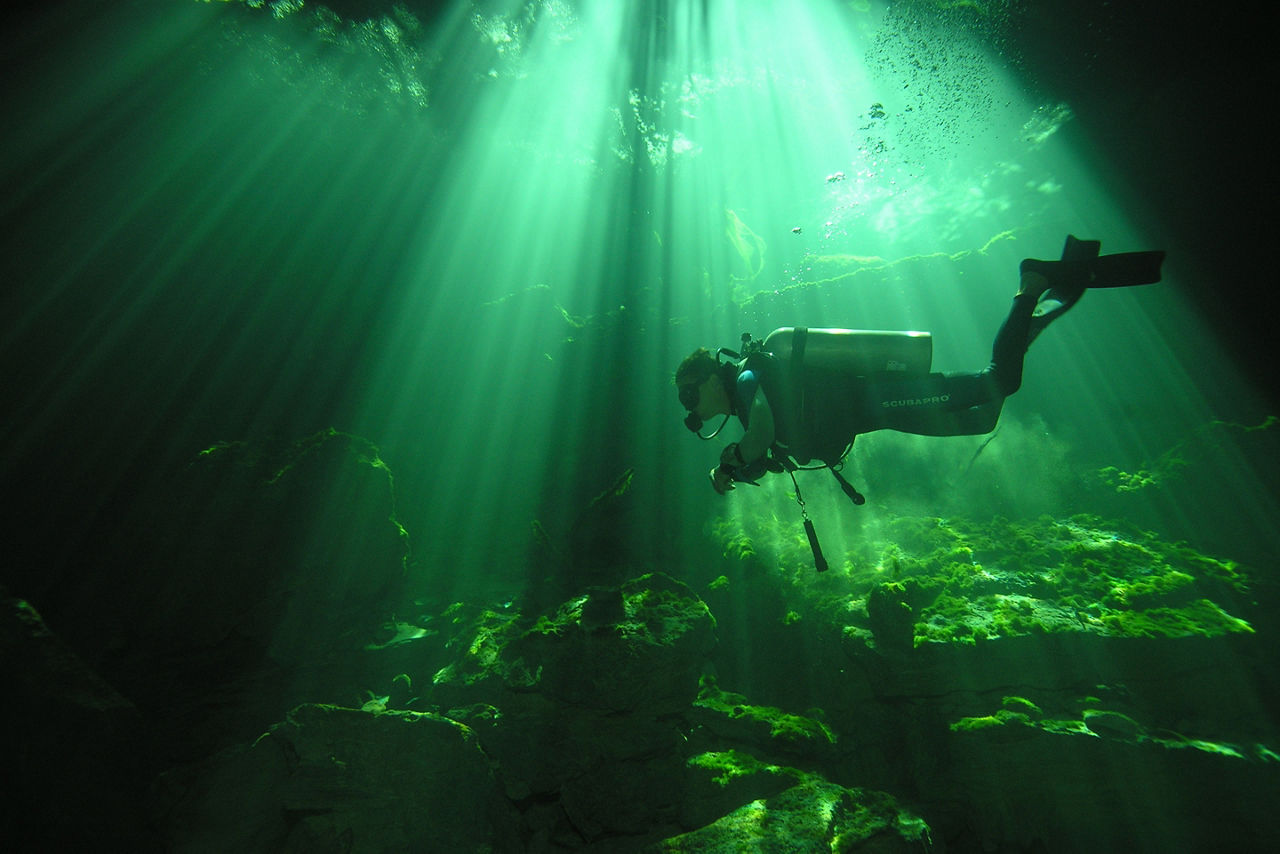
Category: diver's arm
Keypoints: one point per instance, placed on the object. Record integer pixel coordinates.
(759, 436)
(747, 459)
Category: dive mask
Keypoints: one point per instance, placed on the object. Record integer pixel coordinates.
(690, 395)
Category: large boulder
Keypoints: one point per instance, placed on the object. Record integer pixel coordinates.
(813, 817)
(582, 708)
(640, 647)
(72, 773)
(288, 548)
(332, 779)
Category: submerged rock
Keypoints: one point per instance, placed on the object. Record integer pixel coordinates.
(581, 708)
(337, 779)
(815, 816)
(1054, 686)
(718, 782)
(1103, 781)
(727, 718)
(72, 772)
(922, 580)
(647, 659)
(981, 669)
(290, 549)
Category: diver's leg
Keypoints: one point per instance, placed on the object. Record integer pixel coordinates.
(1014, 336)
(1046, 289)
(1058, 284)
(932, 405)
(970, 403)
(961, 404)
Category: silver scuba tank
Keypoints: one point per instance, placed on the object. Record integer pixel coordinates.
(852, 352)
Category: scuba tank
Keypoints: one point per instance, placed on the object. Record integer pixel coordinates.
(851, 352)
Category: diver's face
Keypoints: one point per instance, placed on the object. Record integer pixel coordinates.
(691, 395)
(706, 399)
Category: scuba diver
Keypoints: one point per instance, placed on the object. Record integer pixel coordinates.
(804, 394)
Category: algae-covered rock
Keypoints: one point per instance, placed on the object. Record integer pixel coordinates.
(337, 779)
(891, 618)
(1086, 775)
(728, 719)
(650, 657)
(981, 668)
(813, 816)
(720, 781)
(581, 708)
(923, 580)
(1079, 575)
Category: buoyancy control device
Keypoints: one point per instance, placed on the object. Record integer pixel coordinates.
(808, 370)
(809, 359)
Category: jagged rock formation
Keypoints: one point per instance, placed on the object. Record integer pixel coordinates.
(593, 723)
(66, 726)
(1062, 686)
(335, 779)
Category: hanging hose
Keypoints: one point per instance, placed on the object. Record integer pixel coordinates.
(818, 560)
(854, 495)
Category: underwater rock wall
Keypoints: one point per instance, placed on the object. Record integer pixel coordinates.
(66, 726)
(237, 588)
(588, 728)
(601, 736)
(283, 547)
(1055, 685)
(1062, 685)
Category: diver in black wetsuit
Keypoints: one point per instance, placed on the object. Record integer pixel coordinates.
(794, 412)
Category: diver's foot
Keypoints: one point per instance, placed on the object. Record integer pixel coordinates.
(1056, 286)
(1068, 279)
(1068, 276)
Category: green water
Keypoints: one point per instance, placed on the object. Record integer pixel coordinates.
(482, 235)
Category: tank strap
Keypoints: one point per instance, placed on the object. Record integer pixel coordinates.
(799, 336)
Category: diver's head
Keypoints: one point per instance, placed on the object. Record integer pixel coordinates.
(703, 386)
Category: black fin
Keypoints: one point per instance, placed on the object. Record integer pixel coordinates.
(1081, 268)
(1080, 250)
(1126, 269)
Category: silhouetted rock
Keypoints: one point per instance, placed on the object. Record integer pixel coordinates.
(335, 779)
(72, 774)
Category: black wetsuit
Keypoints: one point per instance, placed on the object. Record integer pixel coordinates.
(817, 415)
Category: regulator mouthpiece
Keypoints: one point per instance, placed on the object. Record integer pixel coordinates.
(694, 423)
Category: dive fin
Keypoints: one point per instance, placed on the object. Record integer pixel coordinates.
(1080, 268)
(1076, 249)
(1126, 269)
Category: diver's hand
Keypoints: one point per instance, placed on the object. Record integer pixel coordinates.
(722, 479)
